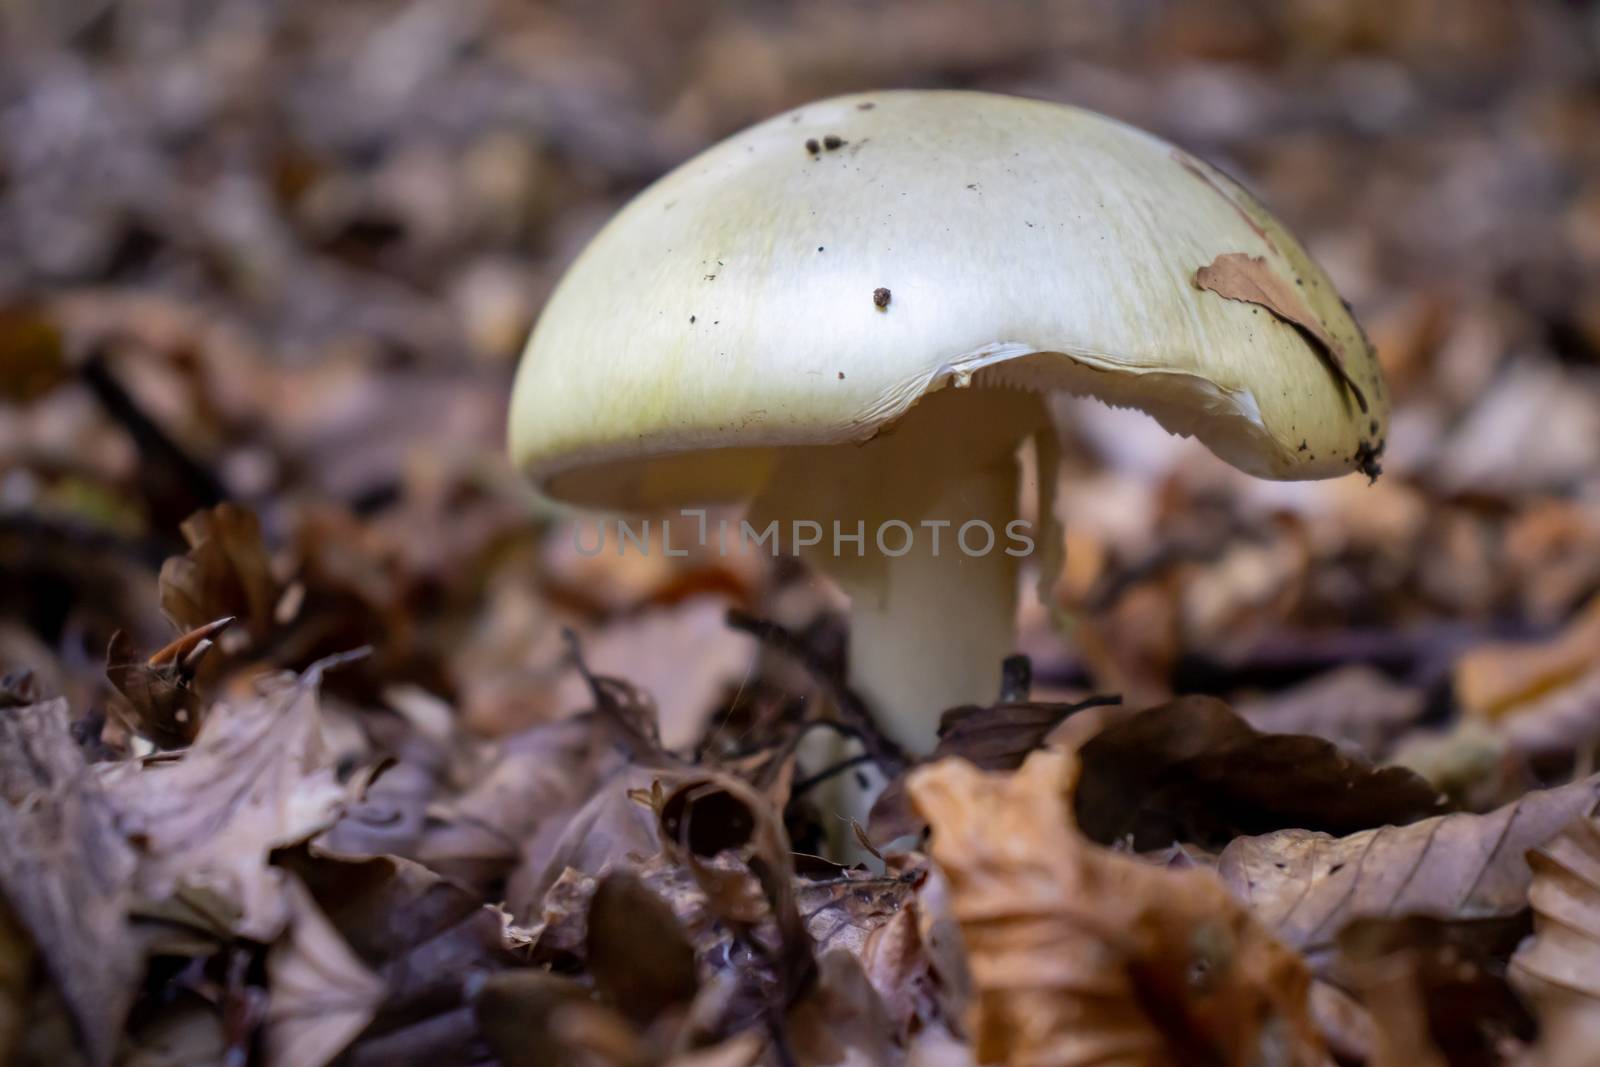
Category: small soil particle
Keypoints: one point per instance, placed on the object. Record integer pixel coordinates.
(841, 376)
(691, 320)
(880, 298)
(1366, 460)
(868, 106)
(812, 146)
(832, 142)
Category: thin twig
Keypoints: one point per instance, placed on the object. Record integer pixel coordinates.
(889, 756)
(1016, 679)
(811, 781)
(157, 446)
(618, 702)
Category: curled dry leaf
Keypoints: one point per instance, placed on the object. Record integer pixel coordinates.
(733, 841)
(1193, 770)
(1079, 955)
(1558, 970)
(227, 572)
(66, 871)
(161, 697)
(1307, 886)
(320, 994)
(257, 778)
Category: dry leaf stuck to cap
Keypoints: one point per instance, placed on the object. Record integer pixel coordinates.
(1079, 955)
(1250, 280)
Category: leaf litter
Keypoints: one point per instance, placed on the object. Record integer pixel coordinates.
(264, 274)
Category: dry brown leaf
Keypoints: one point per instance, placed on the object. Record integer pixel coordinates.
(383, 906)
(994, 738)
(841, 1021)
(65, 870)
(1344, 1023)
(227, 572)
(1357, 707)
(683, 655)
(552, 794)
(1079, 955)
(733, 841)
(1307, 886)
(320, 996)
(1193, 770)
(1558, 970)
(33, 359)
(1249, 279)
(164, 704)
(1499, 679)
(257, 778)
(636, 951)
(876, 919)
(189, 1033)
(535, 1019)
(16, 982)
(1435, 989)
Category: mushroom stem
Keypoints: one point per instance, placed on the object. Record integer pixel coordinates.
(929, 629)
(933, 579)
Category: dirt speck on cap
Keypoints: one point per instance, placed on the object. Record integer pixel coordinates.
(833, 141)
(880, 298)
(868, 106)
(1366, 460)
(812, 146)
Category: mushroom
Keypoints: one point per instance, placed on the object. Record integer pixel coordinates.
(863, 334)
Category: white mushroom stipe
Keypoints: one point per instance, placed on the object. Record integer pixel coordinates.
(933, 581)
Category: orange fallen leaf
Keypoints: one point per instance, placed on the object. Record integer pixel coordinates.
(1498, 679)
(1079, 955)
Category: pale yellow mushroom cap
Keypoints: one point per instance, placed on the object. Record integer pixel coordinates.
(734, 307)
